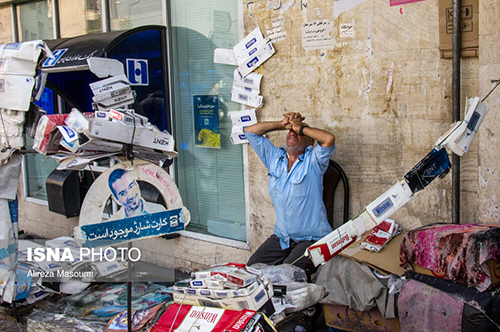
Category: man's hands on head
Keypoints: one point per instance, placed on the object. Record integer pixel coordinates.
(293, 121)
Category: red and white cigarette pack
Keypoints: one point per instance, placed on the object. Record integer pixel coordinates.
(241, 278)
(332, 244)
(195, 318)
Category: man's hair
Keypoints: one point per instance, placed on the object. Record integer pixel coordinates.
(115, 175)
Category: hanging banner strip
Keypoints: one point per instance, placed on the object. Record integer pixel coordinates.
(129, 229)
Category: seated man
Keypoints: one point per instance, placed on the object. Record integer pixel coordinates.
(296, 188)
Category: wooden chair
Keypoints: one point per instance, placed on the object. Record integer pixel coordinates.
(331, 179)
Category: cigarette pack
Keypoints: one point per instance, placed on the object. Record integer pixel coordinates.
(257, 59)
(247, 43)
(241, 278)
(332, 244)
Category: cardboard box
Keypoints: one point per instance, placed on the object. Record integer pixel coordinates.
(492, 265)
(385, 261)
(344, 318)
(469, 21)
(21, 58)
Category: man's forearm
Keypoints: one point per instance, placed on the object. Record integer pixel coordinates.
(323, 137)
(262, 128)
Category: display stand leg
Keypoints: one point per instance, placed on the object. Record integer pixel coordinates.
(129, 291)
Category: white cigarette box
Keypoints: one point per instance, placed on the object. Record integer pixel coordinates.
(222, 271)
(254, 49)
(390, 201)
(238, 138)
(15, 92)
(248, 42)
(108, 85)
(246, 98)
(141, 136)
(251, 81)
(253, 301)
(198, 283)
(125, 117)
(224, 56)
(257, 59)
(243, 118)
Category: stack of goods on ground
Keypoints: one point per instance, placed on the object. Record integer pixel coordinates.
(231, 297)
(453, 278)
(446, 278)
(94, 308)
(228, 297)
(272, 290)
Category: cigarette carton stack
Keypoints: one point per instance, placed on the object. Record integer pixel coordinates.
(76, 139)
(228, 286)
(248, 55)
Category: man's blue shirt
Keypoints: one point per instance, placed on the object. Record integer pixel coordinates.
(297, 195)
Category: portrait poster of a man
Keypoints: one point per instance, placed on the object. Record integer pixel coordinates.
(127, 193)
(136, 218)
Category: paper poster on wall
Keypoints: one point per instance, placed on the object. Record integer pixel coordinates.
(273, 4)
(346, 30)
(206, 121)
(316, 35)
(136, 218)
(402, 2)
(277, 33)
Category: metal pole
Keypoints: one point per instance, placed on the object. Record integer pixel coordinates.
(456, 108)
(15, 25)
(129, 291)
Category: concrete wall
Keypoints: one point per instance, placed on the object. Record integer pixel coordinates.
(384, 124)
(382, 129)
(5, 25)
(489, 147)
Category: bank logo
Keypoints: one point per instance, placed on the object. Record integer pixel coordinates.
(50, 62)
(137, 71)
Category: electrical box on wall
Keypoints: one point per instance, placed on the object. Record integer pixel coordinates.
(469, 28)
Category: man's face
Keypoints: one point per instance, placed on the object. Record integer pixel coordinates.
(127, 192)
(295, 142)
